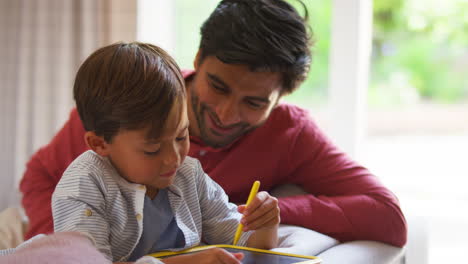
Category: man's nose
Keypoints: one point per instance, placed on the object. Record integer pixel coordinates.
(228, 112)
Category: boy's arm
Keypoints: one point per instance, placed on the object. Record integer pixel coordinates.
(78, 204)
(44, 171)
(348, 202)
(219, 217)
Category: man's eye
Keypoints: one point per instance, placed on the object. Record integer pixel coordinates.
(151, 153)
(181, 138)
(254, 105)
(218, 89)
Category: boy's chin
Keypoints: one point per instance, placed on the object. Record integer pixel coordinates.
(165, 182)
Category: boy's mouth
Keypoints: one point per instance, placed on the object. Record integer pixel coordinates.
(168, 174)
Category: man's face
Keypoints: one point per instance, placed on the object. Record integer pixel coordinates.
(228, 100)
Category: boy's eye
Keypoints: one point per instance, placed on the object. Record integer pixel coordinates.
(151, 153)
(181, 138)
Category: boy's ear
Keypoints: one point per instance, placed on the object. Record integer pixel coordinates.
(96, 143)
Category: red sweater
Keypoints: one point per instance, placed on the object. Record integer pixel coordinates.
(346, 201)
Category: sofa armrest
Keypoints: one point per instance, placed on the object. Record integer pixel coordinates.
(329, 249)
(12, 227)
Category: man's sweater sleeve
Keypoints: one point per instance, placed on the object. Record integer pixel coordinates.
(44, 171)
(346, 201)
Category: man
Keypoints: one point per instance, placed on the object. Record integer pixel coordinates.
(252, 53)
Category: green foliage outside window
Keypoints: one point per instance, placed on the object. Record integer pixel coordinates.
(420, 52)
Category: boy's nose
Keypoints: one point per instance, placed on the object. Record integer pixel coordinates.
(172, 157)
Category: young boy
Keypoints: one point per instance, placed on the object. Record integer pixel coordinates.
(135, 192)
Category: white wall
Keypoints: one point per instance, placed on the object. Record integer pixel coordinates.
(155, 23)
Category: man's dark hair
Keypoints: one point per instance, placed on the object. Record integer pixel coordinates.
(266, 35)
(128, 86)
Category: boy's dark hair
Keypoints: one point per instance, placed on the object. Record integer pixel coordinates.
(266, 35)
(127, 86)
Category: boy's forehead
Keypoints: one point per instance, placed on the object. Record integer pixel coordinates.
(174, 128)
(175, 123)
(177, 118)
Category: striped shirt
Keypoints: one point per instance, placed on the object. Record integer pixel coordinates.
(94, 199)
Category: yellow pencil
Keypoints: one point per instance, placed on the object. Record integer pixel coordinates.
(253, 193)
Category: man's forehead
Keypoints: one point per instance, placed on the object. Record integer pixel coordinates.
(216, 65)
(262, 83)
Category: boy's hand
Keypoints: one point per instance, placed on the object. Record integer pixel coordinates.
(263, 212)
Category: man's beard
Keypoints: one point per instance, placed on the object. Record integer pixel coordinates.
(206, 136)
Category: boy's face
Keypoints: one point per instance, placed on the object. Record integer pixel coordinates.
(152, 163)
(228, 100)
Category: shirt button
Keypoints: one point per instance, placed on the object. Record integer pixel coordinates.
(88, 212)
(202, 152)
(138, 217)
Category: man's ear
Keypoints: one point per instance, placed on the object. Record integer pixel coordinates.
(97, 143)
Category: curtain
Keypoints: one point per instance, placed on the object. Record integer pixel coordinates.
(43, 44)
